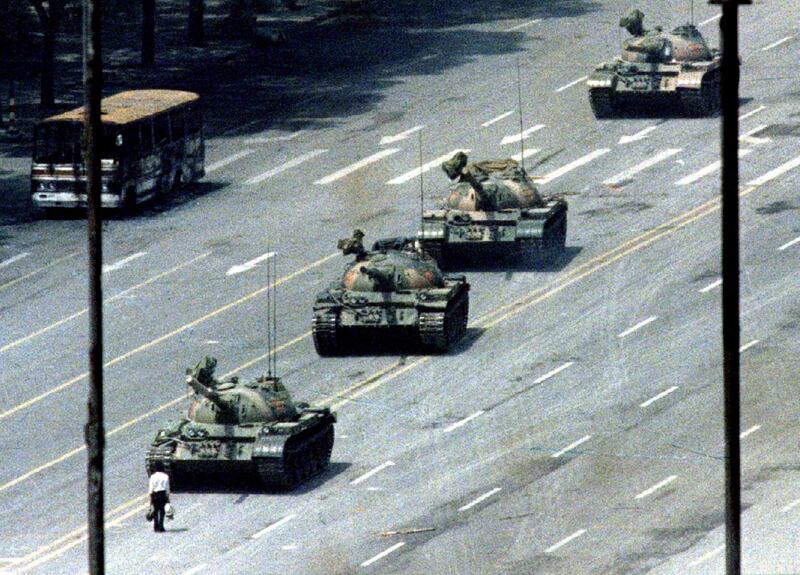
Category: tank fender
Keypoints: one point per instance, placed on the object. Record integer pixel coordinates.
(690, 79)
(432, 231)
(528, 229)
(602, 77)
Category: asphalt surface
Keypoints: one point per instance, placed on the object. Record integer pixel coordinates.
(577, 428)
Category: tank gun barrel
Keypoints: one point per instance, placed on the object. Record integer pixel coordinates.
(213, 396)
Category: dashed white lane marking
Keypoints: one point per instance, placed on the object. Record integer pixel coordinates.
(347, 170)
(748, 345)
(640, 135)
(229, 160)
(571, 84)
(572, 165)
(751, 140)
(122, 263)
(513, 138)
(709, 169)
(709, 20)
(703, 558)
(524, 25)
(790, 506)
(293, 163)
(747, 432)
(752, 112)
(712, 285)
(656, 487)
(483, 497)
(194, 570)
(772, 174)
(659, 396)
(564, 541)
(789, 244)
(274, 526)
(778, 43)
(553, 372)
(401, 136)
(247, 266)
(626, 175)
(527, 154)
(371, 472)
(462, 422)
(289, 547)
(266, 140)
(638, 326)
(13, 259)
(496, 119)
(415, 173)
(572, 446)
(383, 554)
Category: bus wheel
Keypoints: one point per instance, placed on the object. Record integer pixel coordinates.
(129, 202)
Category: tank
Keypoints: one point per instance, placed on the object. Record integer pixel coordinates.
(245, 429)
(395, 293)
(658, 67)
(493, 208)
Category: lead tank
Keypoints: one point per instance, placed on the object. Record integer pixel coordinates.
(492, 208)
(246, 429)
(658, 67)
(394, 292)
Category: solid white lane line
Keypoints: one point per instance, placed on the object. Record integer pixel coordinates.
(772, 174)
(564, 541)
(464, 421)
(751, 140)
(13, 259)
(638, 326)
(790, 506)
(122, 263)
(659, 396)
(752, 112)
(237, 269)
(753, 429)
(524, 25)
(709, 20)
(229, 160)
(712, 285)
(293, 163)
(703, 558)
(401, 136)
(268, 139)
(514, 138)
(778, 43)
(372, 472)
(789, 244)
(656, 487)
(483, 497)
(194, 570)
(553, 372)
(641, 166)
(572, 446)
(347, 170)
(640, 135)
(709, 169)
(383, 554)
(408, 176)
(274, 526)
(488, 123)
(748, 345)
(571, 84)
(528, 153)
(572, 165)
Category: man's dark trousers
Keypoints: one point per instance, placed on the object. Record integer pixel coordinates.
(159, 500)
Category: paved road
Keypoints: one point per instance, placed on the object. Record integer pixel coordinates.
(577, 429)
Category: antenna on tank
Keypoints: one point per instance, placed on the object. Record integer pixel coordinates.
(421, 187)
(272, 322)
(274, 278)
(519, 107)
(691, 12)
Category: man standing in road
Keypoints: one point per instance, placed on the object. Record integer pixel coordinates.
(159, 495)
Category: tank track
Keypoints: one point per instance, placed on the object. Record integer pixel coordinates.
(702, 102)
(557, 238)
(438, 331)
(324, 331)
(304, 456)
(602, 102)
(435, 250)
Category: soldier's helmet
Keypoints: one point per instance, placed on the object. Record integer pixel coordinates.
(633, 22)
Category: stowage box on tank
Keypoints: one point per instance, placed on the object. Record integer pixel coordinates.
(393, 293)
(493, 208)
(658, 67)
(245, 429)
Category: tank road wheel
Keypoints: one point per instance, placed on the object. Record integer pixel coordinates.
(602, 102)
(304, 456)
(433, 332)
(324, 329)
(706, 100)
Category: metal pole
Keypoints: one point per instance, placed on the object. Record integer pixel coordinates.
(148, 32)
(95, 432)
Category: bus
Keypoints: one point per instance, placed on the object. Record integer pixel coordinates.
(152, 142)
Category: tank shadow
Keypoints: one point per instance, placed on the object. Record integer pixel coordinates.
(174, 200)
(520, 262)
(379, 345)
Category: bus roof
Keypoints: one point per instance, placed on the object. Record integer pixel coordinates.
(131, 106)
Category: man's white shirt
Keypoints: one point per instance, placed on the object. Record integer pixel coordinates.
(159, 481)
